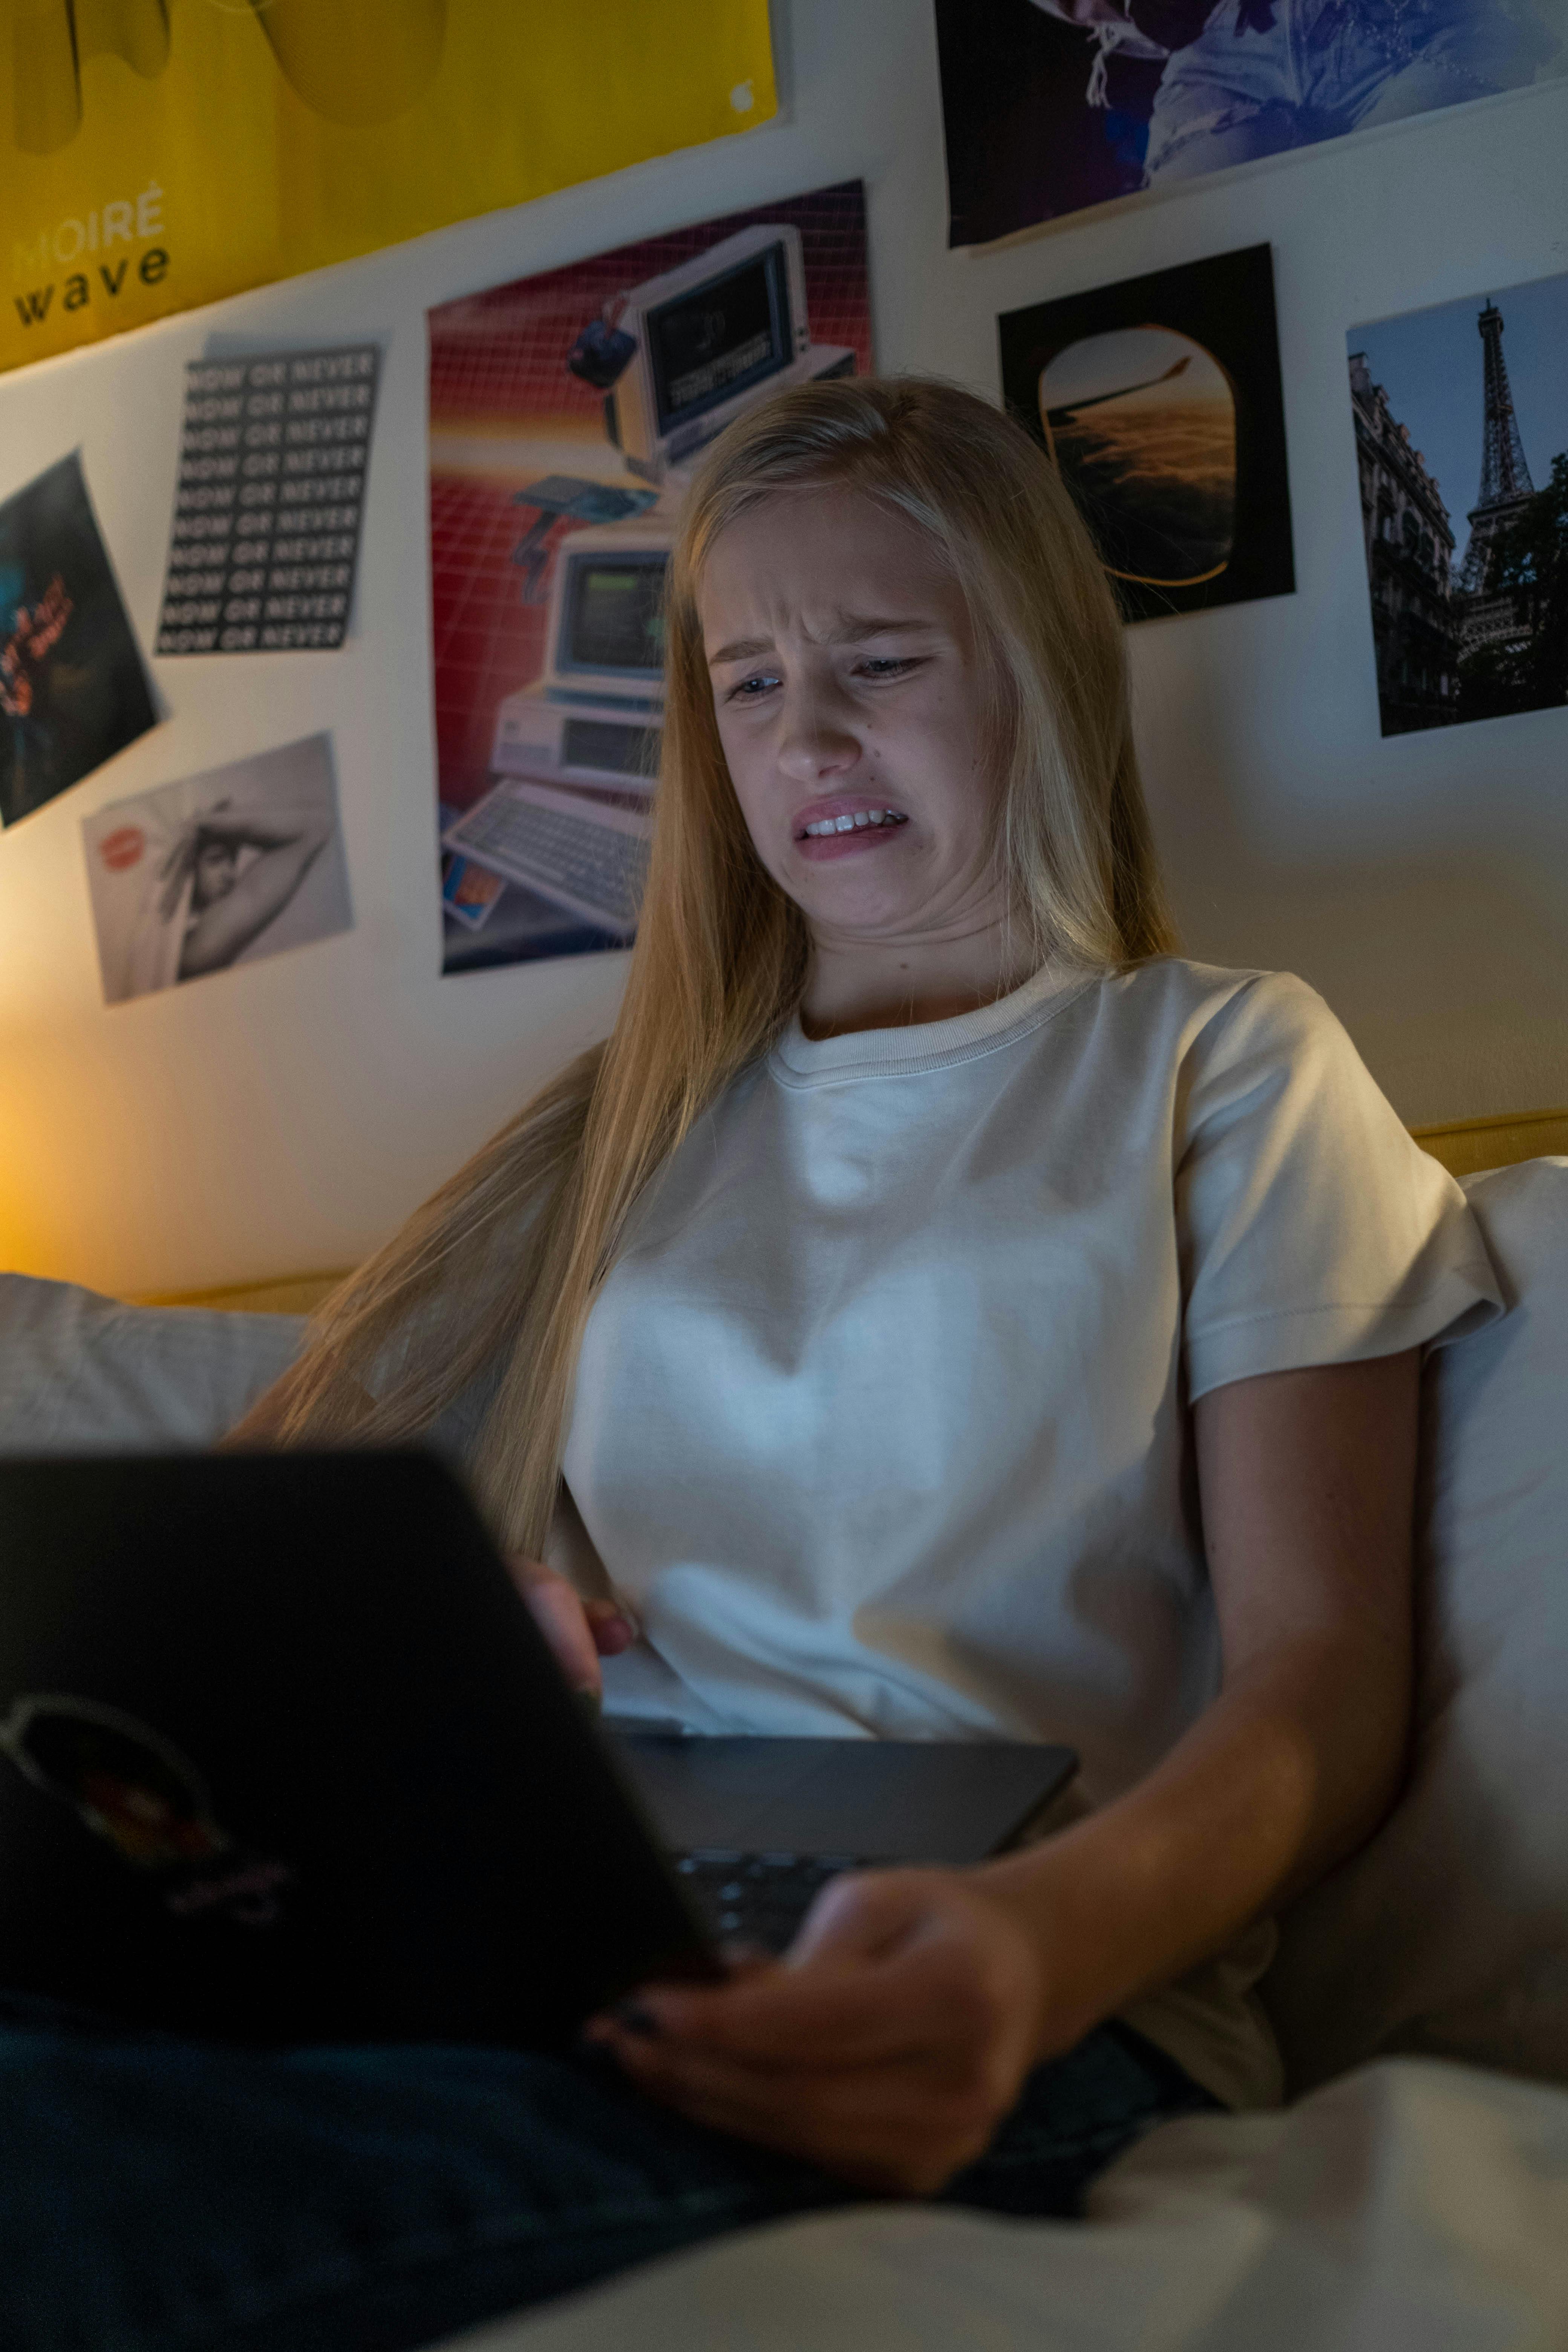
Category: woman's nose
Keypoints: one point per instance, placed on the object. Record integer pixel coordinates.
(813, 741)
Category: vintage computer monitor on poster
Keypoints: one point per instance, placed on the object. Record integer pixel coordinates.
(590, 723)
(593, 716)
(711, 337)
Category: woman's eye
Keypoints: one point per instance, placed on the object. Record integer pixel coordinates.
(752, 689)
(886, 666)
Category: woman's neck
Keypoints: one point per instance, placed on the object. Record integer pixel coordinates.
(859, 985)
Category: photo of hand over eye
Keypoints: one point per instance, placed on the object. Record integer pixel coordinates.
(218, 869)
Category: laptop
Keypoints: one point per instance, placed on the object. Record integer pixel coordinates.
(284, 1758)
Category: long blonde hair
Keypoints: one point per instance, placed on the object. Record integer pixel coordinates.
(504, 1262)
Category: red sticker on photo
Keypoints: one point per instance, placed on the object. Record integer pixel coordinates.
(122, 848)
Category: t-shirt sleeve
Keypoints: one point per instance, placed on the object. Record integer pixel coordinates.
(1312, 1229)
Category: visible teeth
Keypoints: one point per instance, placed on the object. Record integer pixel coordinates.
(861, 818)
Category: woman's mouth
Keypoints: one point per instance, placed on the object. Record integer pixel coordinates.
(837, 830)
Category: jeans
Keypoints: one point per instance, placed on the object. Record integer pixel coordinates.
(1266, 75)
(160, 2195)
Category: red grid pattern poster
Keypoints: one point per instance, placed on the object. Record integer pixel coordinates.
(575, 402)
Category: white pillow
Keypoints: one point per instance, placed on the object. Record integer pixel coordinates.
(1448, 1933)
(81, 1374)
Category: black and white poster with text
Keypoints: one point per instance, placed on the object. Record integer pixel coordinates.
(274, 451)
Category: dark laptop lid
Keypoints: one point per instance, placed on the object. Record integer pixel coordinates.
(282, 1755)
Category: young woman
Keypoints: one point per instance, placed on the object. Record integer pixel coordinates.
(937, 1310)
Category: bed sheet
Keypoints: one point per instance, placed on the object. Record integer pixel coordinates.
(1415, 2206)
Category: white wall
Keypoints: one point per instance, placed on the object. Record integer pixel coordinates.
(282, 1117)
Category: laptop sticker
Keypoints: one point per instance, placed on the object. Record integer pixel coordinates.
(131, 1787)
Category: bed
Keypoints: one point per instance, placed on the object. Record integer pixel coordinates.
(1412, 2197)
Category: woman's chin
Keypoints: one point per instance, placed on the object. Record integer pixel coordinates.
(876, 895)
(851, 916)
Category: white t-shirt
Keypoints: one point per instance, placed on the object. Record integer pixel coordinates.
(881, 1421)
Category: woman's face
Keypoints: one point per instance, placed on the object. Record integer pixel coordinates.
(848, 700)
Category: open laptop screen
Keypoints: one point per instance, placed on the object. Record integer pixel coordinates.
(712, 342)
(615, 613)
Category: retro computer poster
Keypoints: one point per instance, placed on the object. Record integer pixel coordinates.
(567, 413)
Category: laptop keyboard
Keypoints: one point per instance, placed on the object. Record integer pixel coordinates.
(757, 1898)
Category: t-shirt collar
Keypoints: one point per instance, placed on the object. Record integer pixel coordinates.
(927, 1044)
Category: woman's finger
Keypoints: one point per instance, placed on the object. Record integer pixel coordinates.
(562, 1619)
(183, 843)
(936, 2074)
(611, 1628)
(869, 1913)
(925, 1995)
(892, 2129)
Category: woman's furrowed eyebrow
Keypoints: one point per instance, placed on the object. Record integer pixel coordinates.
(741, 649)
(849, 629)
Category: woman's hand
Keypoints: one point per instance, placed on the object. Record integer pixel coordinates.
(182, 848)
(886, 2048)
(177, 868)
(579, 1631)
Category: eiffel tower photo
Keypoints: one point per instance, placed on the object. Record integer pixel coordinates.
(1505, 487)
(1466, 624)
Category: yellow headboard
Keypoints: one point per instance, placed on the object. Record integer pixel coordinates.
(291, 1294)
(1465, 1146)
(1474, 1143)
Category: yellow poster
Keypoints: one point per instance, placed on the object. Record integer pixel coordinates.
(159, 154)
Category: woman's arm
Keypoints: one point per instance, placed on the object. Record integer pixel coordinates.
(260, 828)
(288, 845)
(1308, 1484)
(898, 2034)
